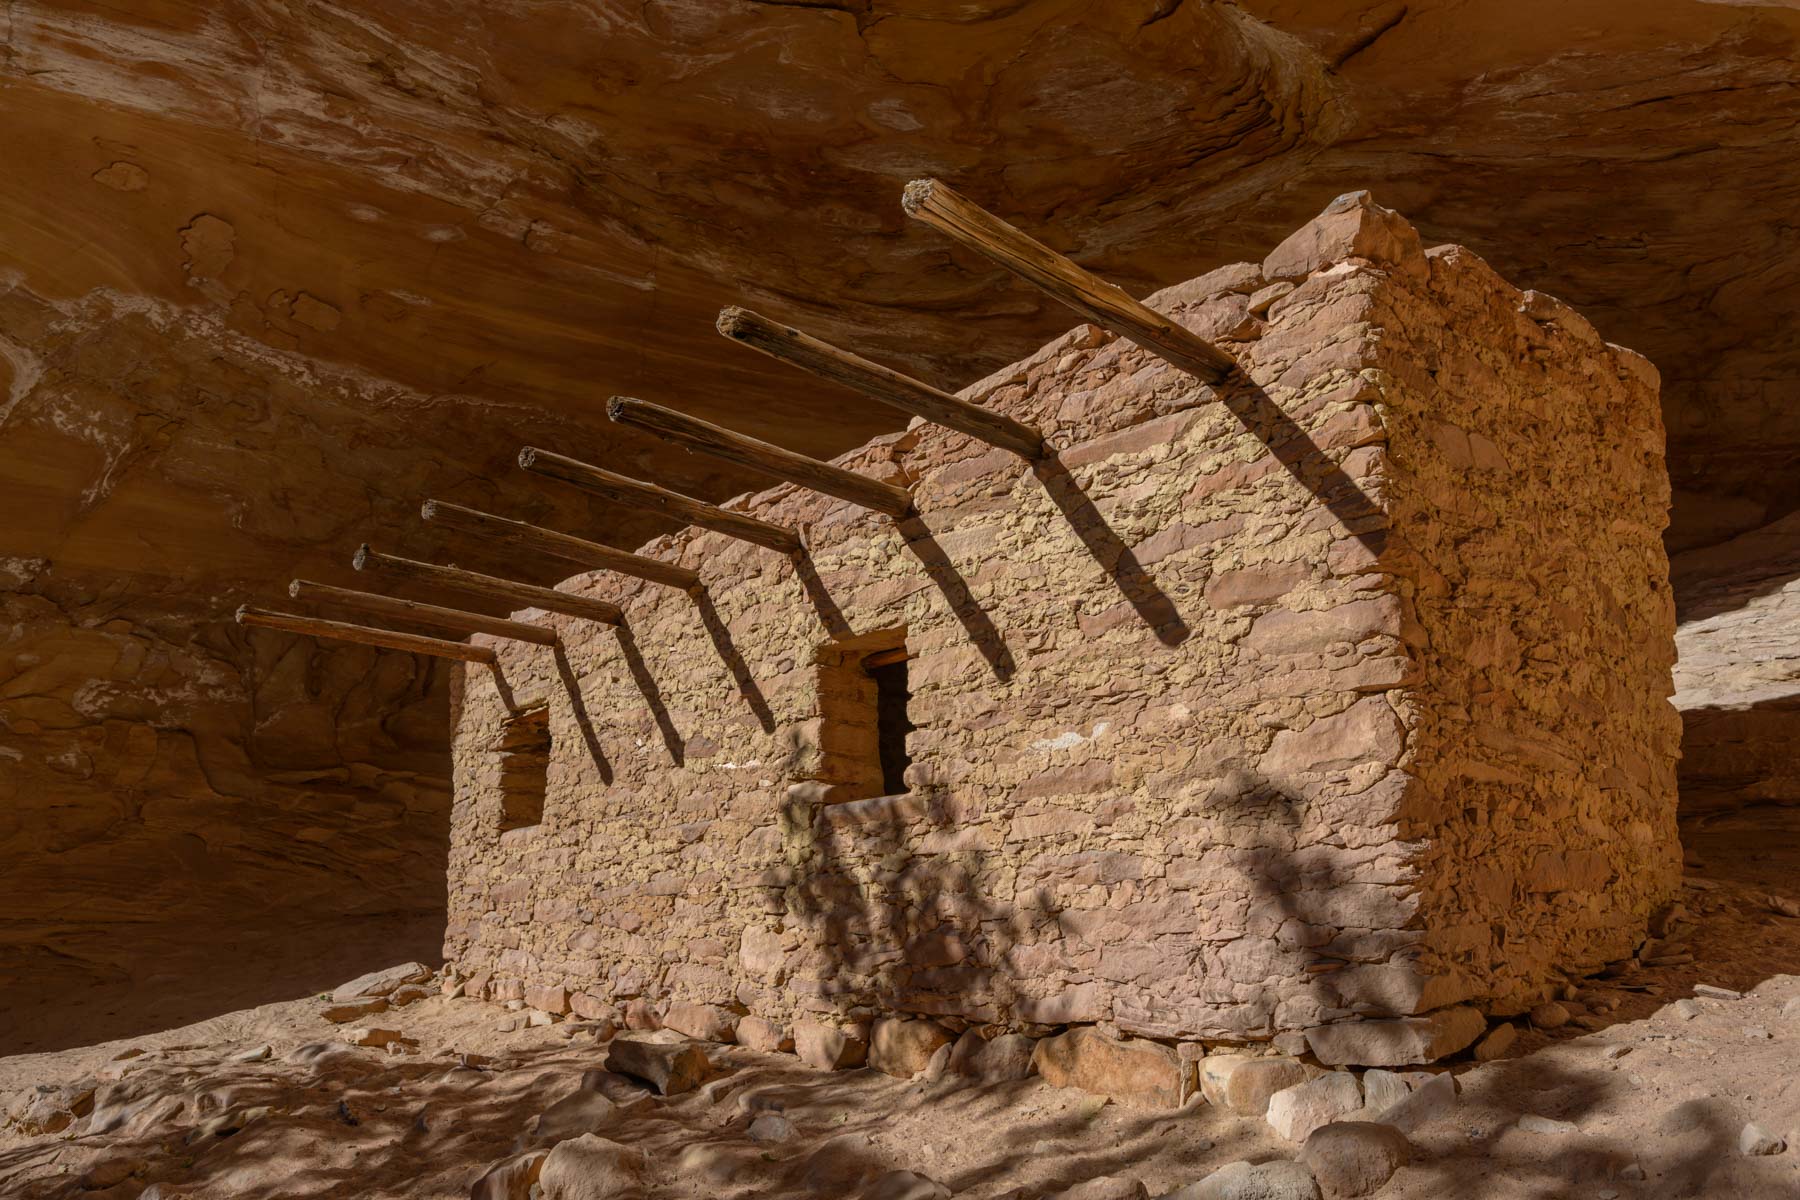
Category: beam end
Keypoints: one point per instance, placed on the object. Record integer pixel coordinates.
(917, 195)
(735, 322)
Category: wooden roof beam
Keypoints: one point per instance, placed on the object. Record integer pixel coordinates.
(393, 608)
(365, 635)
(890, 387)
(707, 438)
(537, 539)
(1094, 298)
(648, 497)
(490, 588)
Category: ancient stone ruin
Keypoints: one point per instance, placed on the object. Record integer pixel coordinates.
(1327, 705)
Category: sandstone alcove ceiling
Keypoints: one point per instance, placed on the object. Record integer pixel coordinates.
(270, 272)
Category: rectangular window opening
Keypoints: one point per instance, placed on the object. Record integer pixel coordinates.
(863, 719)
(524, 747)
(891, 722)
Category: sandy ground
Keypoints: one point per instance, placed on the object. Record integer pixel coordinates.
(1658, 1091)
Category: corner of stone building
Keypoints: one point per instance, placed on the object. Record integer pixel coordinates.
(1527, 494)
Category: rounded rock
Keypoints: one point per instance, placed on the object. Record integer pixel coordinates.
(591, 1168)
(1354, 1158)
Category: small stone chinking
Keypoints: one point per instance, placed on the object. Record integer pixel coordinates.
(1319, 712)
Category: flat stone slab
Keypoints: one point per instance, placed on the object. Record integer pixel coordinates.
(1397, 1042)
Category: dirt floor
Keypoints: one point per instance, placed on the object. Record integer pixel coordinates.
(1654, 1083)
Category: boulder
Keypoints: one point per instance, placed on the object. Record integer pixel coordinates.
(1215, 1072)
(767, 1129)
(1383, 1089)
(1754, 1141)
(553, 999)
(902, 1047)
(343, 1014)
(380, 983)
(1549, 1015)
(1354, 1158)
(1497, 1042)
(756, 1033)
(669, 1068)
(510, 1178)
(1278, 1180)
(592, 1008)
(706, 1022)
(1432, 1099)
(1396, 1042)
(592, 1168)
(1105, 1187)
(829, 1047)
(1296, 1111)
(581, 1111)
(1002, 1059)
(1137, 1074)
(904, 1185)
(1251, 1082)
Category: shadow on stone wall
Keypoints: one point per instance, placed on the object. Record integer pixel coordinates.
(895, 898)
(583, 719)
(1111, 552)
(830, 615)
(942, 572)
(734, 661)
(646, 683)
(1303, 458)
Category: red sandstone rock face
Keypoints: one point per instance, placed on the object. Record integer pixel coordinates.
(271, 276)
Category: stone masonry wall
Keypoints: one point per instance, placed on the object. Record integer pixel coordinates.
(1527, 500)
(1212, 736)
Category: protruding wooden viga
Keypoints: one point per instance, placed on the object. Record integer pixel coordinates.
(708, 438)
(366, 635)
(889, 386)
(1094, 298)
(559, 545)
(487, 587)
(648, 497)
(395, 608)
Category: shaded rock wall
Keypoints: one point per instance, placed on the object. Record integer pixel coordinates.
(1245, 715)
(1738, 678)
(195, 820)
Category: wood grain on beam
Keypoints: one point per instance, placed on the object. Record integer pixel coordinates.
(394, 608)
(1094, 298)
(648, 497)
(365, 635)
(537, 539)
(899, 391)
(491, 588)
(760, 456)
